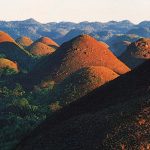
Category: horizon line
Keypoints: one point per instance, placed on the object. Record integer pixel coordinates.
(77, 22)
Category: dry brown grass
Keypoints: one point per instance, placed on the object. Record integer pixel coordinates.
(82, 82)
(24, 41)
(84, 51)
(4, 37)
(5, 63)
(40, 49)
(48, 41)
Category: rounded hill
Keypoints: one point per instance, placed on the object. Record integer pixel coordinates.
(84, 51)
(24, 41)
(48, 42)
(40, 49)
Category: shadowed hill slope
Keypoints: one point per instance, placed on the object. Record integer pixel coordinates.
(82, 51)
(40, 49)
(24, 41)
(13, 52)
(114, 116)
(5, 63)
(82, 82)
(137, 52)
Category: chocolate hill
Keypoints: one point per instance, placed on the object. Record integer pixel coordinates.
(4, 37)
(82, 51)
(6, 63)
(40, 49)
(48, 42)
(82, 82)
(114, 116)
(24, 41)
(137, 52)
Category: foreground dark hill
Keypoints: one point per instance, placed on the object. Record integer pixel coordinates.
(136, 53)
(115, 116)
(82, 51)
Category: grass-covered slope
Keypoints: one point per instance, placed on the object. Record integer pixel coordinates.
(114, 116)
(40, 49)
(82, 82)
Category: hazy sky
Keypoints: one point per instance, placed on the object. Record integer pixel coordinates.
(75, 10)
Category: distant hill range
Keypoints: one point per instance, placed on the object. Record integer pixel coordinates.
(64, 31)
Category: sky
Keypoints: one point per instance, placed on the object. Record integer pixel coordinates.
(75, 10)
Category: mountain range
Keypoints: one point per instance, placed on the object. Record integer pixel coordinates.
(31, 26)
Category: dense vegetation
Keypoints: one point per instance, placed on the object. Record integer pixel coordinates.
(6, 71)
(20, 112)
